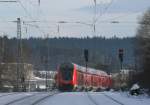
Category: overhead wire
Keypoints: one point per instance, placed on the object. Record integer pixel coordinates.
(34, 5)
(95, 14)
(113, 18)
(43, 14)
(95, 18)
(31, 3)
(105, 10)
(30, 16)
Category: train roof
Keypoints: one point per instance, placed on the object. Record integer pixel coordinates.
(90, 70)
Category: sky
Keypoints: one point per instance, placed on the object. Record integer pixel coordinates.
(78, 16)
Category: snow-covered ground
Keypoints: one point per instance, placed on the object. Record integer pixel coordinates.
(129, 99)
(73, 98)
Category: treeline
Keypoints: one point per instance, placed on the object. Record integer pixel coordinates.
(48, 53)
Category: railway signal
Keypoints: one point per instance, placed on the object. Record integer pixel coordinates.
(86, 54)
(120, 55)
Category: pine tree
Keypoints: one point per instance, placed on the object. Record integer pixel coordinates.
(143, 48)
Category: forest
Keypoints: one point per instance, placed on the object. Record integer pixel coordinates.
(48, 53)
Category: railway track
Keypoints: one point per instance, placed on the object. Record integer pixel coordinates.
(107, 96)
(33, 99)
(113, 99)
(39, 98)
(8, 94)
(22, 98)
(91, 99)
(43, 98)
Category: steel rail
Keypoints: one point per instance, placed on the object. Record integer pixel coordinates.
(19, 99)
(44, 98)
(118, 102)
(91, 99)
(7, 94)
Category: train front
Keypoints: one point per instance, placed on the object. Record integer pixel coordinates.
(65, 76)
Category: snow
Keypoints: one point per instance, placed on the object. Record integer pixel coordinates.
(38, 79)
(71, 98)
(128, 99)
(95, 98)
(8, 98)
(135, 86)
(77, 98)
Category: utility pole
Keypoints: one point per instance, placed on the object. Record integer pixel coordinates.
(19, 51)
(94, 18)
(47, 61)
(39, 2)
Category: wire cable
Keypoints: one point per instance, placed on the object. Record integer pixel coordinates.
(43, 14)
(124, 15)
(30, 16)
(105, 10)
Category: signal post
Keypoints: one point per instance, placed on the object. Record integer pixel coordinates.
(120, 55)
(86, 55)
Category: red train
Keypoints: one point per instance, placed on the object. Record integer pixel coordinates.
(72, 77)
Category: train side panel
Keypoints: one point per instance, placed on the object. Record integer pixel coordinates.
(82, 79)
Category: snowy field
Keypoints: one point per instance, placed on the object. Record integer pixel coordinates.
(72, 98)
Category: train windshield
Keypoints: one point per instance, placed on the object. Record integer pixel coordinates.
(67, 71)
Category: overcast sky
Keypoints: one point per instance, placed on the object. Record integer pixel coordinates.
(50, 12)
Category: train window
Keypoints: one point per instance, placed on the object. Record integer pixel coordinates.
(66, 71)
